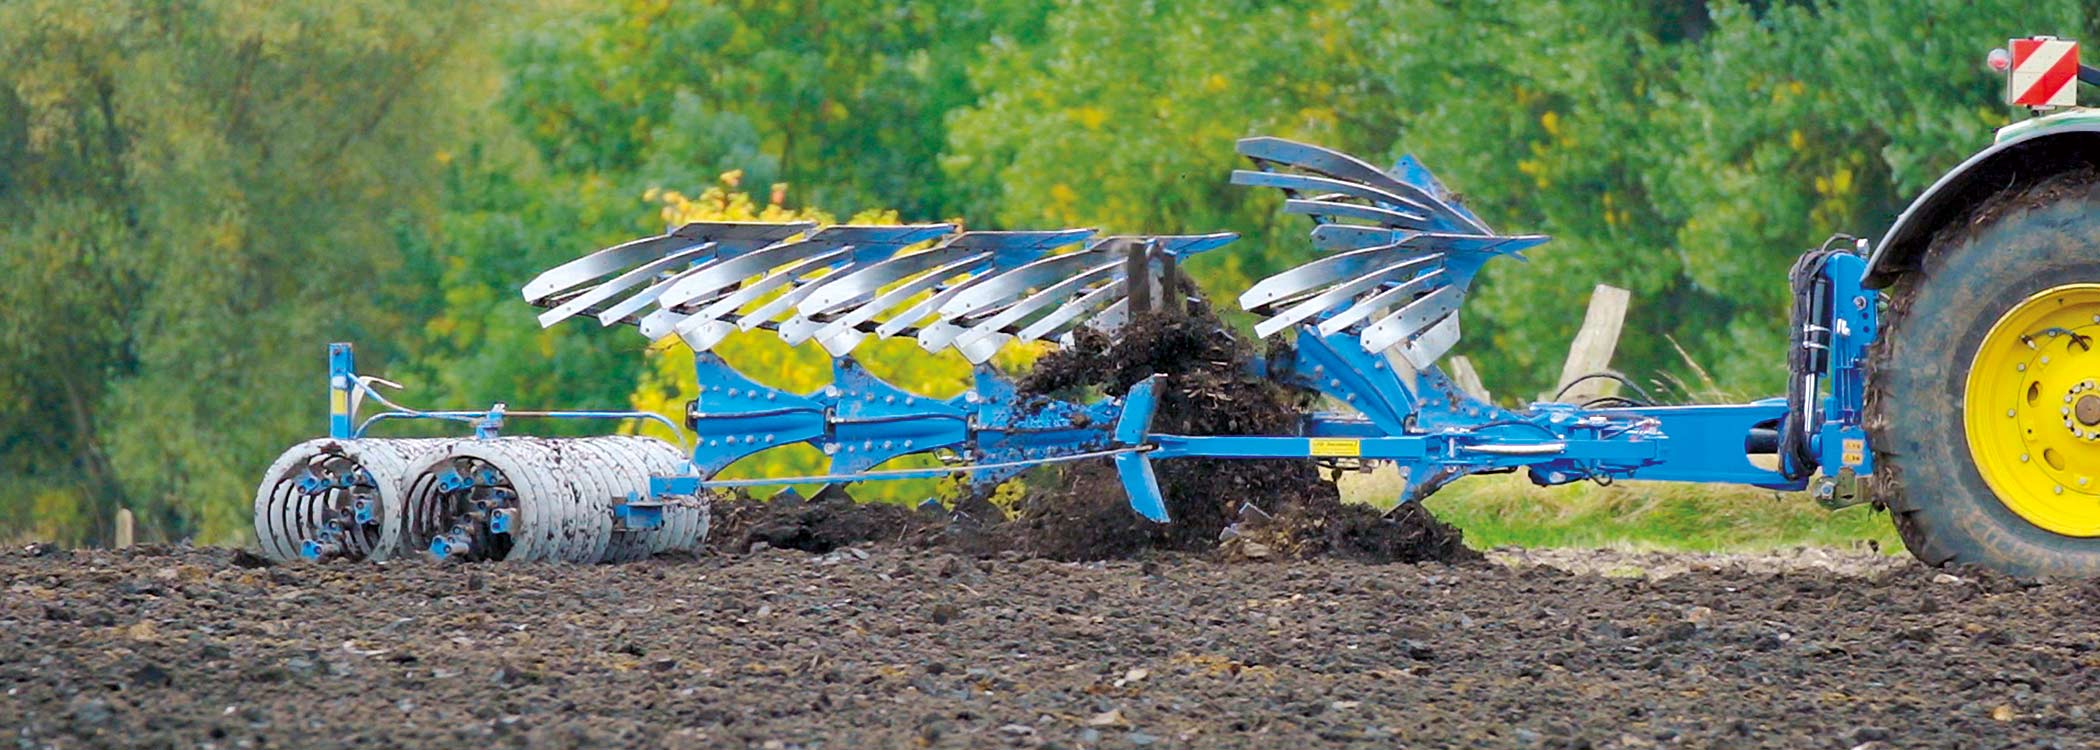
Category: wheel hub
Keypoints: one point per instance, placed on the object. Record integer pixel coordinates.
(2032, 409)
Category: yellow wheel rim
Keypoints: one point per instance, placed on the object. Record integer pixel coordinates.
(2032, 409)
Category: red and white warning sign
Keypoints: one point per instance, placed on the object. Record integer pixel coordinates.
(2044, 73)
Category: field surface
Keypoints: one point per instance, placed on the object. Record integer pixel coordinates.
(886, 647)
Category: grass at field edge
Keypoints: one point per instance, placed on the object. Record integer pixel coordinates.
(1508, 510)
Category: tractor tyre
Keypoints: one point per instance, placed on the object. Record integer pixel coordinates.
(1982, 406)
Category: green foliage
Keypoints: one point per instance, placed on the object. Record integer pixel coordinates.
(844, 99)
(198, 196)
(1509, 511)
(502, 221)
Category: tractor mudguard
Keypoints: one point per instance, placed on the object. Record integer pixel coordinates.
(2026, 153)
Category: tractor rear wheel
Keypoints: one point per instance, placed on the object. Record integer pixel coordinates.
(1984, 399)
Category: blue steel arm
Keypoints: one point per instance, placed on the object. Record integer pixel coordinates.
(1841, 440)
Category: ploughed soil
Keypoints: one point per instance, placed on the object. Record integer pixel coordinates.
(890, 645)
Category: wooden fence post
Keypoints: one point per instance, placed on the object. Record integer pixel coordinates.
(1137, 277)
(124, 530)
(1468, 379)
(1593, 346)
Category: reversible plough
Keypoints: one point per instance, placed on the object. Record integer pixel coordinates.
(1367, 323)
(1371, 318)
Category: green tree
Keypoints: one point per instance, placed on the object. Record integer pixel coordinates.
(845, 99)
(196, 197)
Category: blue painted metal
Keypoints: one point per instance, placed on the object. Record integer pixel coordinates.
(1707, 443)
(1841, 438)
(742, 416)
(342, 384)
(635, 513)
(1134, 468)
(315, 549)
(873, 421)
(861, 422)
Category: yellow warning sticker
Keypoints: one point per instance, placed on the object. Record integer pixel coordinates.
(1855, 451)
(338, 401)
(1337, 447)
